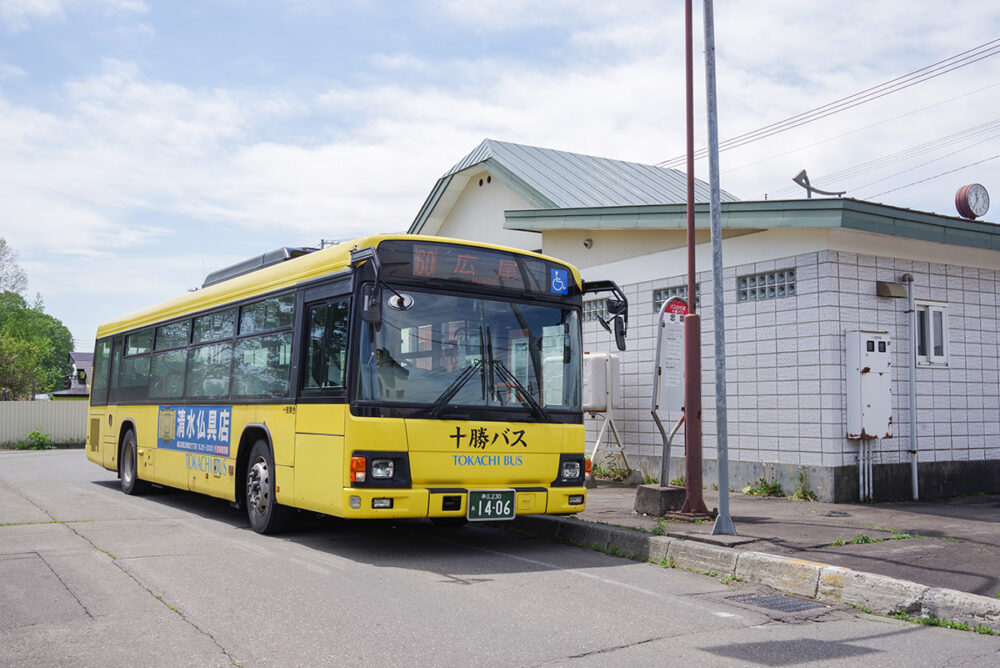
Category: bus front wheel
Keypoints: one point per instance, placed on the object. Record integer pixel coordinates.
(128, 464)
(266, 515)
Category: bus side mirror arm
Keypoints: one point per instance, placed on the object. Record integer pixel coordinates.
(371, 293)
(618, 308)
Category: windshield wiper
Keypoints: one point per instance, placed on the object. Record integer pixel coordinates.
(456, 385)
(507, 377)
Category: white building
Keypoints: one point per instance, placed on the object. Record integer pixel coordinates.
(799, 275)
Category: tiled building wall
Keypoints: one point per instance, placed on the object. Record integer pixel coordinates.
(786, 363)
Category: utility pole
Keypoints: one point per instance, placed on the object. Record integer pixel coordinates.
(724, 522)
(694, 504)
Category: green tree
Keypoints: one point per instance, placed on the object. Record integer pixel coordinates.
(19, 366)
(34, 356)
(12, 276)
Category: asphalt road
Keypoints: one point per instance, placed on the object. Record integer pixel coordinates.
(89, 576)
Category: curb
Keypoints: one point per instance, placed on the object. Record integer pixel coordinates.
(825, 582)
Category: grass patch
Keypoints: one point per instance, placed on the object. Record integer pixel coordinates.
(36, 440)
(617, 475)
(802, 491)
(864, 539)
(679, 481)
(932, 620)
(764, 487)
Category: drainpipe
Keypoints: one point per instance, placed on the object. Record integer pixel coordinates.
(912, 310)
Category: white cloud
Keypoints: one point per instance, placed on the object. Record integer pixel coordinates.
(18, 15)
(8, 71)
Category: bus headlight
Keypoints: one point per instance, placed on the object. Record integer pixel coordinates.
(570, 470)
(383, 469)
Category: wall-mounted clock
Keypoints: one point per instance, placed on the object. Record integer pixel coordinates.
(972, 201)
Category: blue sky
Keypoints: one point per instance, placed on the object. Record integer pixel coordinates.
(144, 143)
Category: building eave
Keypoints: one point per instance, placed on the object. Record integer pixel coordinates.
(842, 213)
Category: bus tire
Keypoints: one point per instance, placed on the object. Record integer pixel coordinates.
(128, 466)
(266, 515)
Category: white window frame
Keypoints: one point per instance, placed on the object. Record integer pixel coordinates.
(931, 351)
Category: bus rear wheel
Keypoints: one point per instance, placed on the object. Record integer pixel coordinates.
(128, 464)
(265, 513)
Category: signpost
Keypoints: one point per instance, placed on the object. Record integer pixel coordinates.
(668, 381)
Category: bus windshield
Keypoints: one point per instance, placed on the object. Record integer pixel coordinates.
(444, 350)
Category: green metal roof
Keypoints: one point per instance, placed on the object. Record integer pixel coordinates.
(549, 179)
(844, 213)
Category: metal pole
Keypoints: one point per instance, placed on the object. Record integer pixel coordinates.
(724, 522)
(912, 310)
(694, 502)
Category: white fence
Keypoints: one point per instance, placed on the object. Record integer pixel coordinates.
(63, 421)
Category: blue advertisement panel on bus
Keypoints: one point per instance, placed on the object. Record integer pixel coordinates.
(200, 429)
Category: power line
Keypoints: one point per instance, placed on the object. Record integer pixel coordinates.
(906, 154)
(946, 155)
(960, 60)
(861, 129)
(936, 176)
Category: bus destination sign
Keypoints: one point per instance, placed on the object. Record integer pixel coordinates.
(471, 264)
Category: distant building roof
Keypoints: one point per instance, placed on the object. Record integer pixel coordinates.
(550, 179)
(81, 360)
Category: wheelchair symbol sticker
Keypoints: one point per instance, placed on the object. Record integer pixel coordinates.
(559, 279)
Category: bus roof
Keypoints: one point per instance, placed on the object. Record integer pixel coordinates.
(275, 277)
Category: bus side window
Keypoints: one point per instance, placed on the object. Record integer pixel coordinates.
(327, 351)
(116, 358)
(99, 381)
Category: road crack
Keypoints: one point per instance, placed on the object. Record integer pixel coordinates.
(177, 611)
(115, 561)
(604, 650)
(63, 583)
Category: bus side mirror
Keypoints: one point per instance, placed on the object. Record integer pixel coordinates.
(620, 332)
(371, 304)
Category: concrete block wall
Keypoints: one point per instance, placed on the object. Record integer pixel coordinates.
(785, 376)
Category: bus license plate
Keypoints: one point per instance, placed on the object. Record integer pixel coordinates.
(493, 504)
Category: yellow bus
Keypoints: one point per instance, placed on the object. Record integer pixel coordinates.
(395, 376)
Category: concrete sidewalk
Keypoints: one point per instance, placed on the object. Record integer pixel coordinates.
(938, 558)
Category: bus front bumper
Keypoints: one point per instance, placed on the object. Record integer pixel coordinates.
(373, 503)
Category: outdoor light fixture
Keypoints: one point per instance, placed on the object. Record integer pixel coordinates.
(888, 289)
